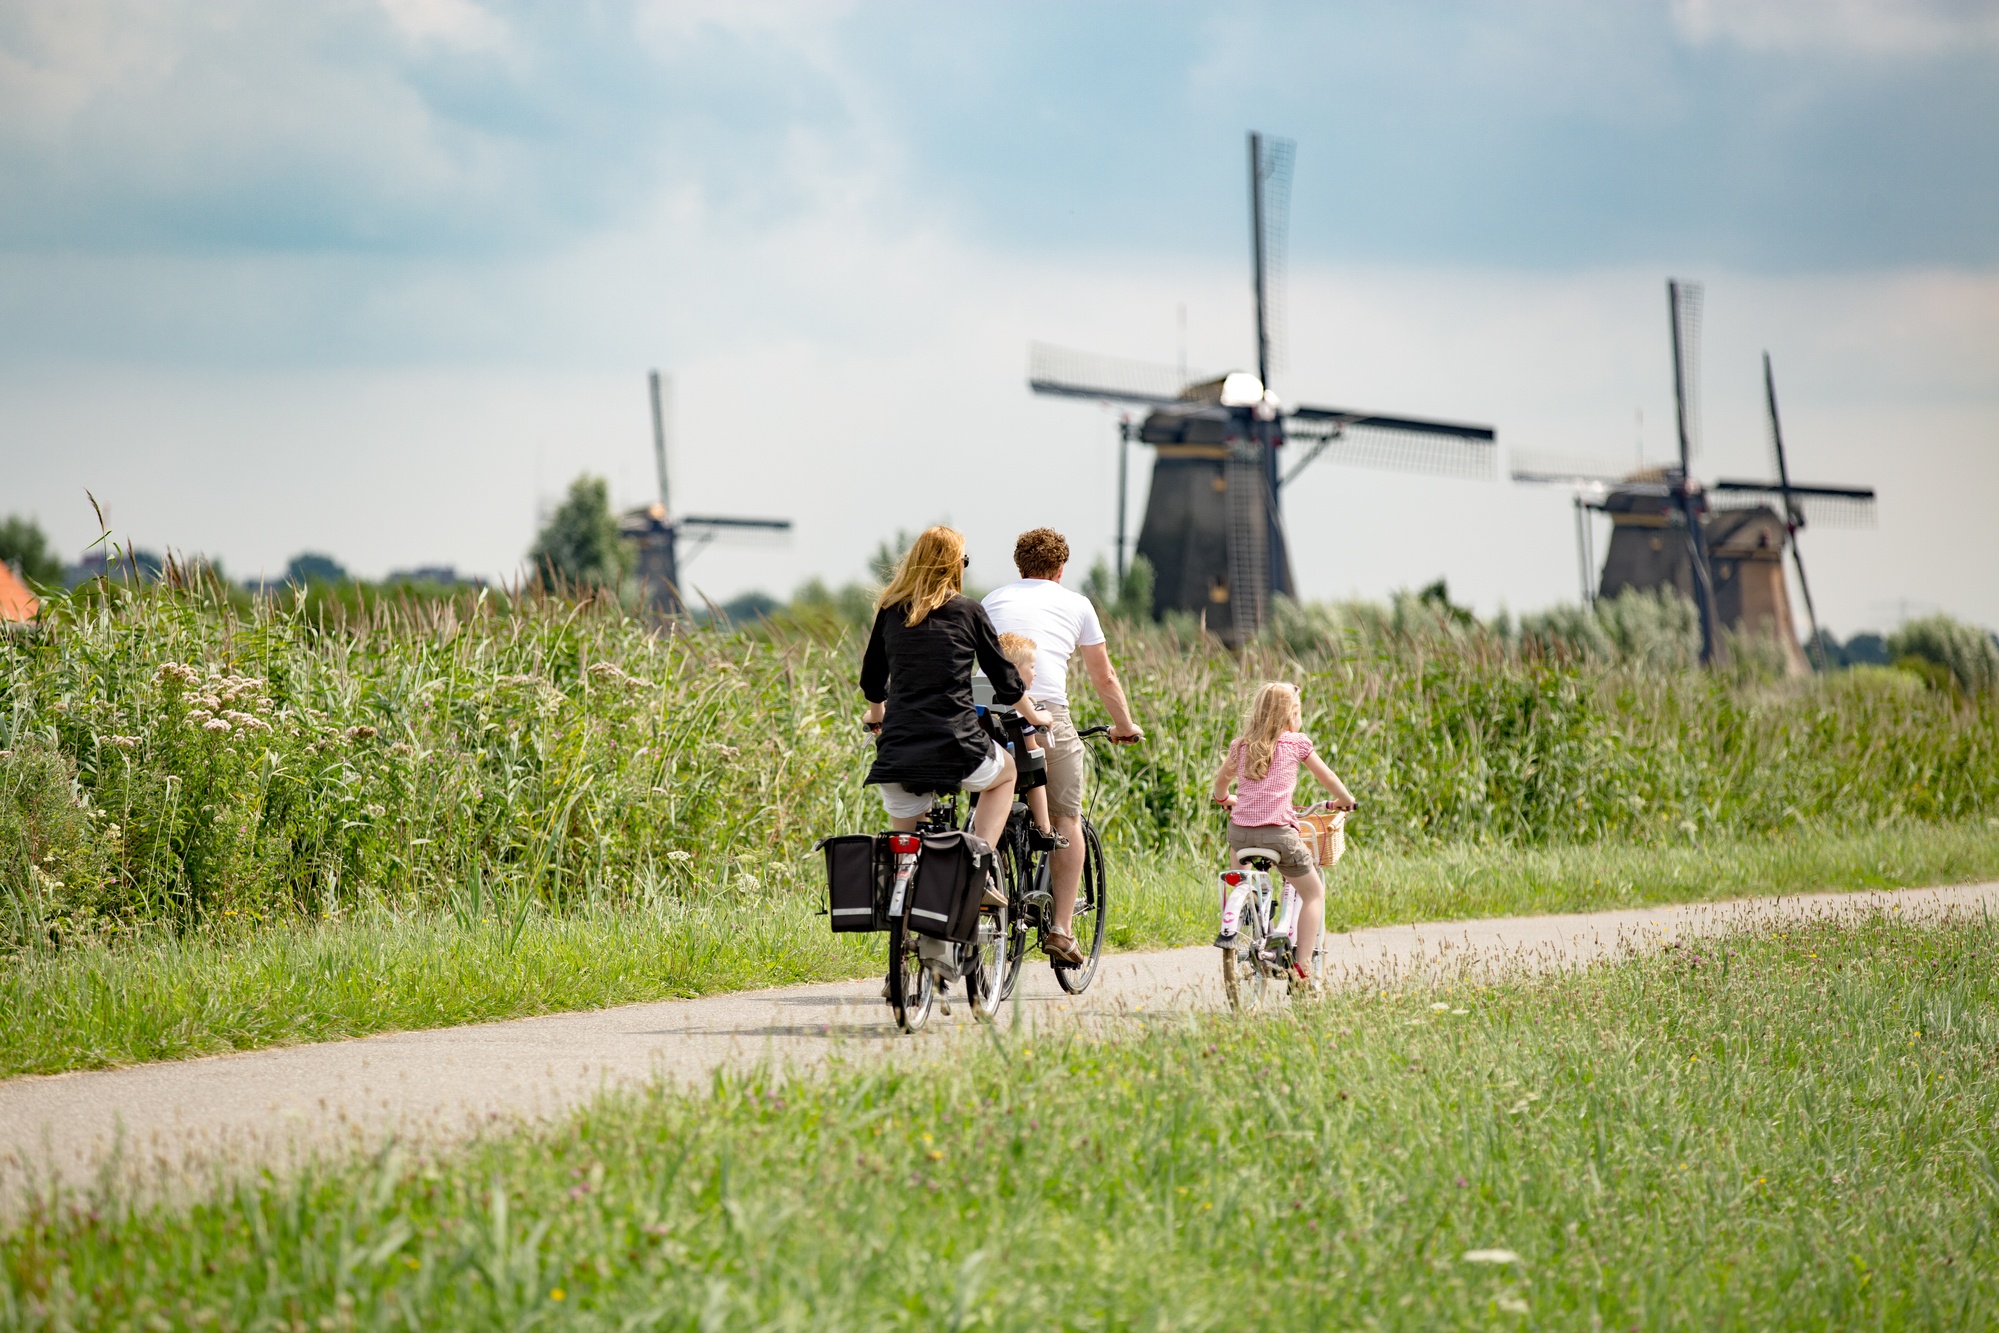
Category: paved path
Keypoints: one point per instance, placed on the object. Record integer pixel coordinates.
(158, 1125)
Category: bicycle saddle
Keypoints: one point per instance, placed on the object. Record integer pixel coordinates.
(1248, 854)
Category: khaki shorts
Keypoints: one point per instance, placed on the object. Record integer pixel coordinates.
(1294, 859)
(1067, 764)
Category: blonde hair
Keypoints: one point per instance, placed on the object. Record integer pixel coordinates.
(1273, 712)
(1018, 648)
(931, 573)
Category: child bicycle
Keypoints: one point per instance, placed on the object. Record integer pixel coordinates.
(1259, 927)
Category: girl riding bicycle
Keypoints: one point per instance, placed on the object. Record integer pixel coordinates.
(1263, 765)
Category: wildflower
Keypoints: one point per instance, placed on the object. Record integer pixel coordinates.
(126, 742)
(1491, 1257)
(1460, 1012)
(185, 677)
(216, 725)
(1511, 1304)
(679, 857)
(557, 1294)
(360, 733)
(1440, 1007)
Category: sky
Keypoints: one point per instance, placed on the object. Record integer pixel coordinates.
(379, 277)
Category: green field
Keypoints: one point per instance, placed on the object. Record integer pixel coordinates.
(1789, 1130)
(226, 825)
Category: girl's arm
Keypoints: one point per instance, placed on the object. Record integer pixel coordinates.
(1342, 798)
(1223, 776)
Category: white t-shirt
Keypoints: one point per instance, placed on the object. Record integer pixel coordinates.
(1059, 622)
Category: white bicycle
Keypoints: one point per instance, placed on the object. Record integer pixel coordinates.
(1259, 930)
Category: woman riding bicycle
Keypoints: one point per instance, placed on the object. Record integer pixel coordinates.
(917, 678)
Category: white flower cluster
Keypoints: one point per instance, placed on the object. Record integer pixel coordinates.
(610, 673)
(214, 709)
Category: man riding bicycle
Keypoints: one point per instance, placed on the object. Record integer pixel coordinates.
(1063, 625)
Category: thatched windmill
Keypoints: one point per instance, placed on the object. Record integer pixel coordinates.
(1214, 527)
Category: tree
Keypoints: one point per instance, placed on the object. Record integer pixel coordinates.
(26, 547)
(310, 567)
(580, 545)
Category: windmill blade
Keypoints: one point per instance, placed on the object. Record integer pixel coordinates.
(710, 526)
(1566, 469)
(1396, 444)
(1684, 301)
(662, 397)
(1827, 506)
(1270, 238)
(1068, 373)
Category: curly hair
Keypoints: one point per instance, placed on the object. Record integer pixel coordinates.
(1040, 553)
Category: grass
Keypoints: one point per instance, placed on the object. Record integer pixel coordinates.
(1788, 1130)
(175, 996)
(167, 757)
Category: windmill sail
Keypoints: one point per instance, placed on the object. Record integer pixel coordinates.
(1395, 444)
(1068, 373)
(1270, 245)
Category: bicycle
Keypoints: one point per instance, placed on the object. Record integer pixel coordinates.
(1265, 946)
(917, 963)
(1025, 874)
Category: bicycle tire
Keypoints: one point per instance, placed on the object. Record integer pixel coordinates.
(986, 961)
(911, 991)
(1092, 911)
(1242, 980)
(1019, 873)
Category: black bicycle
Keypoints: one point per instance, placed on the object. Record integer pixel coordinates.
(920, 968)
(1025, 875)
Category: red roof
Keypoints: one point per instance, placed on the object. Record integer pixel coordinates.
(16, 602)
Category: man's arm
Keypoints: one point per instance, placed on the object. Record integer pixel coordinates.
(1097, 661)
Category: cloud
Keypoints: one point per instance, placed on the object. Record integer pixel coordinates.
(457, 23)
(1869, 27)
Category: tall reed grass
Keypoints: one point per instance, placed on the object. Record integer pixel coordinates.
(167, 757)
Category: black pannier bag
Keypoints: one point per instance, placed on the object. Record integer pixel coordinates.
(950, 880)
(854, 863)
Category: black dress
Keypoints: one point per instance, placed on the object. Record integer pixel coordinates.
(931, 738)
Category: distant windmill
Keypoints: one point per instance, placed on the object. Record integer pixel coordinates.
(1214, 529)
(666, 543)
(1721, 546)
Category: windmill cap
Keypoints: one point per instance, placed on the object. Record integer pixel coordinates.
(1241, 389)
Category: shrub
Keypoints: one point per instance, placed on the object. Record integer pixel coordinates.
(1964, 653)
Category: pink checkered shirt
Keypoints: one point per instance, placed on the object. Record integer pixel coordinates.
(1266, 801)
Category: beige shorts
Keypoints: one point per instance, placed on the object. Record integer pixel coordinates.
(1067, 764)
(1294, 859)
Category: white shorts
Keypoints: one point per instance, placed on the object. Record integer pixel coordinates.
(902, 803)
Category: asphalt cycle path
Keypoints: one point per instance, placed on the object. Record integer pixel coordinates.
(160, 1129)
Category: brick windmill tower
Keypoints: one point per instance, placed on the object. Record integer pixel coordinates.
(1214, 524)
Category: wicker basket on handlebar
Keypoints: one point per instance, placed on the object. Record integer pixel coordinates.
(1324, 833)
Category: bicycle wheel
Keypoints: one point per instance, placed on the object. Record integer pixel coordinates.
(985, 961)
(1018, 867)
(1242, 980)
(910, 992)
(1092, 910)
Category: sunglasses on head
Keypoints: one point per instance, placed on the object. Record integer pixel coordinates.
(968, 562)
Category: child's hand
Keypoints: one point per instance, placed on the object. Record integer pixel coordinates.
(1226, 802)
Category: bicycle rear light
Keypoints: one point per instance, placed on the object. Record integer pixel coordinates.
(1231, 877)
(904, 843)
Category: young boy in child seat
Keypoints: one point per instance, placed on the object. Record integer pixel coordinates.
(1019, 650)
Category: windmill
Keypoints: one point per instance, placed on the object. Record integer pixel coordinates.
(665, 543)
(1214, 528)
(1834, 506)
(1721, 546)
